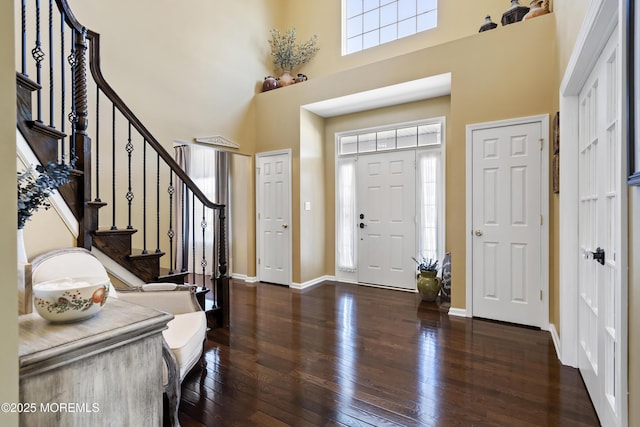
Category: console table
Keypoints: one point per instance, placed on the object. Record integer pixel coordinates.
(106, 370)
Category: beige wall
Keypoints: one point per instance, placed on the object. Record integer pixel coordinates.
(186, 70)
(455, 20)
(8, 217)
(487, 85)
(313, 209)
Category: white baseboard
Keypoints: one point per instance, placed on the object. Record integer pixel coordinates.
(457, 312)
(312, 282)
(244, 277)
(556, 339)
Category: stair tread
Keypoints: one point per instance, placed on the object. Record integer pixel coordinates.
(46, 129)
(107, 231)
(151, 254)
(26, 82)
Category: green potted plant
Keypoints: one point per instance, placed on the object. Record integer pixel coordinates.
(428, 284)
(287, 54)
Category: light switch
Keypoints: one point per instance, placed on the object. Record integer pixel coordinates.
(307, 206)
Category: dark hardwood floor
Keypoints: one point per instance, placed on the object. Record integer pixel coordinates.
(346, 355)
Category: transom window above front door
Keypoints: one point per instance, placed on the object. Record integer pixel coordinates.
(369, 23)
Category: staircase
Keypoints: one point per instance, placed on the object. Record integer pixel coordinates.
(122, 175)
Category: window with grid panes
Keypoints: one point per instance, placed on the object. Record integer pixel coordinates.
(369, 23)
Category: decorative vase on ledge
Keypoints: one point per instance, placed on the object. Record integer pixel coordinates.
(515, 13)
(286, 79)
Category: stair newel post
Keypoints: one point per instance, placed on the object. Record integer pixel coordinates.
(80, 150)
(222, 282)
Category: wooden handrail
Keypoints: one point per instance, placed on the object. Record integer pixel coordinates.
(94, 65)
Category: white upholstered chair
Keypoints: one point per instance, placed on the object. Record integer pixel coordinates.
(185, 334)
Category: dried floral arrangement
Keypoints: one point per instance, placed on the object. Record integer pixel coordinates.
(287, 54)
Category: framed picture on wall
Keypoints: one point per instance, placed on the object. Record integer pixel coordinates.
(633, 90)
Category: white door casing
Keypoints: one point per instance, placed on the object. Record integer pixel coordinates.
(386, 200)
(599, 301)
(507, 245)
(273, 217)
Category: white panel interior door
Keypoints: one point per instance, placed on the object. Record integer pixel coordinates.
(386, 202)
(599, 302)
(274, 247)
(507, 232)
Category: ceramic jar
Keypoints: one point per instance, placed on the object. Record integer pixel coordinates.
(488, 24)
(269, 83)
(286, 79)
(301, 78)
(515, 13)
(538, 7)
(429, 285)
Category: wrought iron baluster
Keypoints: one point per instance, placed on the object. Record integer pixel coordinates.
(38, 56)
(222, 241)
(72, 114)
(158, 202)
(113, 167)
(192, 231)
(171, 233)
(129, 196)
(24, 37)
(63, 88)
(187, 207)
(203, 262)
(144, 196)
(51, 80)
(97, 174)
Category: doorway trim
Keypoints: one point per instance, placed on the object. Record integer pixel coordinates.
(286, 152)
(543, 119)
(601, 18)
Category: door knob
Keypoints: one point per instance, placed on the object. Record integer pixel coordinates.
(598, 255)
(285, 225)
(362, 225)
(478, 233)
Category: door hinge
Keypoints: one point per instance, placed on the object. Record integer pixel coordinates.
(540, 294)
(258, 216)
(257, 171)
(541, 143)
(259, 261)
(541, 219)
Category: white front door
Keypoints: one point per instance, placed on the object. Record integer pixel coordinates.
(599, 317)
(386, 209)
(506, 223)
(273, 211)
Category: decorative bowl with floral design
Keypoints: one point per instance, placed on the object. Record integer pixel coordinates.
(70, 299)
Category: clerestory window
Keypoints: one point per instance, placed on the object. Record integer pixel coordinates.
(369, 23)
